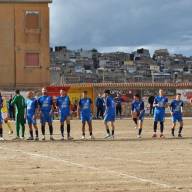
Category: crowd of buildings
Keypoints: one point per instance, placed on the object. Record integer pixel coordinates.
(68, 66)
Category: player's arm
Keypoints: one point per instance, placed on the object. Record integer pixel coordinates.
(78, 109)
(155, 103)
(170, 108)
(182, 107)
(14, 101)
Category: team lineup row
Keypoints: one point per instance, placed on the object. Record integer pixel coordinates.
(27, 109)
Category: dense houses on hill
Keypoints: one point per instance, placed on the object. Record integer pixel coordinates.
(68, 66)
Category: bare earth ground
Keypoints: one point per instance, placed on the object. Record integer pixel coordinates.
(125, 164)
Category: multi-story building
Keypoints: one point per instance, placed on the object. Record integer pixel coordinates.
(24, 43)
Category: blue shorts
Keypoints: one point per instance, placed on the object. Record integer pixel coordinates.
(31, 120)
(109, 117)
(159, 117)
(63, 116)
(46, 118)
(176, 118)
(85, 118)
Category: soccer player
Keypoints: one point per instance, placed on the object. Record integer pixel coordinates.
(5, 116)
(1, 119)
(118, 101)
(32, 106)
(160, 103)
(85, 113)
(109, 115)
(176, 109)
(46, 112)
(19, 102)
(63, 105)
(138, 112)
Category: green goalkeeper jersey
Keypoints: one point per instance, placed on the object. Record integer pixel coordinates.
(19, 102)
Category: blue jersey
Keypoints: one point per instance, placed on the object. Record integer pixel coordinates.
(63, 103)
(176, 106)
(1, 102)
(31, 106)
(137, 106)
(161, 101)
(45, 103)
(85, 106)
(109, 105)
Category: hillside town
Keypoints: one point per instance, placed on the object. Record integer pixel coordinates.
(80, 66)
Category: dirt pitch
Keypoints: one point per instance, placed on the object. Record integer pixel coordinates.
(125, 164)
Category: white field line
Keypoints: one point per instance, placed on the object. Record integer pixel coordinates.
(103, 170)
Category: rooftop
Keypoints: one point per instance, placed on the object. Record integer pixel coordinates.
(25, 1)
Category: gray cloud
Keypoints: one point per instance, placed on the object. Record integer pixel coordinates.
(118, 24)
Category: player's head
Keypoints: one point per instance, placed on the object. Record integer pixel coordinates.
(63, 92)
(84, 94)
(107, 92)
(44, 91)
(30, 94)
(178, 96)
(137, 97)
(161, 92)
(17, 91)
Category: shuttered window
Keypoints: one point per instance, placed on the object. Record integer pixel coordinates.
(32, 60)
(32, 20)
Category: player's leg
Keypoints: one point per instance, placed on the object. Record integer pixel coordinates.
(36, 131)
(68, 128)
(43, 121)
(62, 125)
(7, 122)
(140, 128)
(1, 127)
(17, 127)
(113, 128)
(161, 129)
(83, 129)
(155, 128)
(90, 129)
(107, 129)
(173, 127)
(51, 130)
(135, 120)
(30, 131)
(180, 128)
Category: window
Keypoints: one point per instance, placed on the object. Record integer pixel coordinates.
(32, 20)
(32, 60)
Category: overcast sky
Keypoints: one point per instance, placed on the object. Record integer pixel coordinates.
(122, 25)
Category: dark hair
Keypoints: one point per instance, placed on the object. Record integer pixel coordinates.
(179, 94)
(85, 91)
(107, 91)
(137, 95)
(17, 91)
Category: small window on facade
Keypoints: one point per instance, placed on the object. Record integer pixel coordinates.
(32, 19)
(32, 59)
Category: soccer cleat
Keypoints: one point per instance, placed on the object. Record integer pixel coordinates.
(51, 138)
(16, 138)
(154, 135)
(62, 138)
(43, 139)
(69, 138)
(10, 132)
(92, 137)
(83, 137)
(36, 138)
(30, 139)
(22, 138)
(136, 127)
(179, 135)
(2, 139)
(162, 136)
(107, 136)
(139, 136)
